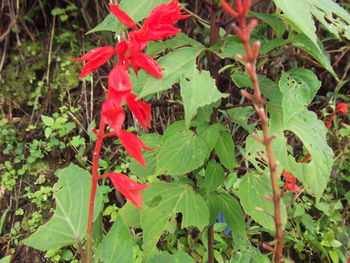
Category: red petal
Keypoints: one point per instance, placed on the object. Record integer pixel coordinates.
(123, 17)
(96, 58)
(342, 107)
(140, 109)
(288, 177)
(129, 188)
(291, 187)
(133, 145)
(113, 115)
(119, 80)
(144, 61)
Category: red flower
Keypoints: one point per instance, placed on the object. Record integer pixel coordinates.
(96, 58)
(119, 80)
(289, 181)
(123, 17)
(140, 60)
(159, 23)
(130, 189)
(133, 145)
(342, 107)
(113, 115)
(140, 109)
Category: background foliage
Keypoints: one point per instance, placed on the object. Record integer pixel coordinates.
(47, 117)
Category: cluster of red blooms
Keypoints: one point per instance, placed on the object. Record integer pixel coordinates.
(289, 179)
(158, 25)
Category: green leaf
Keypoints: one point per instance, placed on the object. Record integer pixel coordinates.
(210, 134)
(231, 210)
(69, 222)
(272, 21)
(116, 246)
(298, 86)
(181, 153)
(162, 202)
(214, 176)
(130, 214)
(136, 9)
(152, 141)
(225, 150)
(5, 259)
(240, 116)
(180, 40)
(333, 17)
(253, 191)
(312, 133)
(301, 41)
(197, 90)
(48, 121)
(176, 65)
(179, 257)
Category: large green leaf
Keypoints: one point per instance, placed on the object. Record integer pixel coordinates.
(303, 42)
(130, 214)
(162, 202)
(253, 192)
(116, 246)
(175, 65)
(299, 13)
(210, 134)
(136, 9)
(69, 221)
(305, 125)
(298, 86)
(225, 150)
(312, 132)
(197, 90)
(179, 257)
(214, 176)
(232, 212)
(181, 153)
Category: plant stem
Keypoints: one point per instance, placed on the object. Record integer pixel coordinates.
(258, 103)
(94, 180)
(243, 31)
(211, 257)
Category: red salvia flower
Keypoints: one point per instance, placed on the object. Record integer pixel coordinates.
(130, 189)
(113, 115)
(133, 145)
(119, 80)
(140, 109)
(96, 58)
(289, 182)
(123, 17)
(140, 60)
(342, 107)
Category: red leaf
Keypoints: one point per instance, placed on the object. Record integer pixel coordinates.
(133, 145)
(113, 115)
(96, 58)
(119, 80)
(130, 189)
(123, 17)
(140, 109)
(139, 60)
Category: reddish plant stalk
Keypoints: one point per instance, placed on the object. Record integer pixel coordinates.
(243, 31)
(94, 181)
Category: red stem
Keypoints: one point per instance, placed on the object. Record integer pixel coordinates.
(94, 180)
